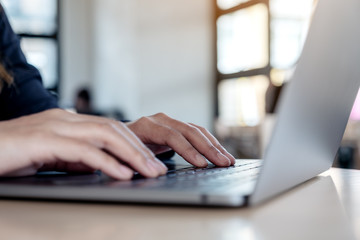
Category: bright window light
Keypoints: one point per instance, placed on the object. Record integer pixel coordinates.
(243, 39)
(242, 100)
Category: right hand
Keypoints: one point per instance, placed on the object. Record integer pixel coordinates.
(61, 141)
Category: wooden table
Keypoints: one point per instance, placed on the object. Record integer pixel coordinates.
(327, 207)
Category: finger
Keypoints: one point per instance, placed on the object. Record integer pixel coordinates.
(200, 142)
(215, 142)
(131, 137)
(163, 135)
(108, 137)
(75, 151)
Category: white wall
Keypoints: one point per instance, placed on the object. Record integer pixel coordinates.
(76, 48)
(116, 71)
(141, 56)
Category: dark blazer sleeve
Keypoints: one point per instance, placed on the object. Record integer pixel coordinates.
(27, 95)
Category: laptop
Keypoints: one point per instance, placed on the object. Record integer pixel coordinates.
(312, 117)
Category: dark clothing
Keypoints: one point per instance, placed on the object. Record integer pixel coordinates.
(27, 95)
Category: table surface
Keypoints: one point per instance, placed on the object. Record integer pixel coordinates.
(327, 207)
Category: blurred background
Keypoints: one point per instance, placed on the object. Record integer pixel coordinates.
(221, 64)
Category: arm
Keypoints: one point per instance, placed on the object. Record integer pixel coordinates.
(194, 143)
(27, 95)
(62, 141)
(58, 140)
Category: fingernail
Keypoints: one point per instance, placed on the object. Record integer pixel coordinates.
(125, 172)
(232, 158)
(230, 155)
(201, 160)
(227, 153)
(153, 169)
(223, 158)
(162, 166)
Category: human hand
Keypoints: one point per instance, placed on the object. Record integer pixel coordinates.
(63, 141)
(190, 141)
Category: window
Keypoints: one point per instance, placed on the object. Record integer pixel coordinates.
(241, 100)
(36, 22)
(289, 23)
(258, 43)
(237, 38)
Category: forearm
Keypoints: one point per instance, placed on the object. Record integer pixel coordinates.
(27, 94)
(28, 98)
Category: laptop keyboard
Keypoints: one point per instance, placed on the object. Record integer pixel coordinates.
(186, 178)
(200, 179)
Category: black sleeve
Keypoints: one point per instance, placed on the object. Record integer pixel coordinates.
(27, 95)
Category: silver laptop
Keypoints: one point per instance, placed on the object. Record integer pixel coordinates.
(312, 117)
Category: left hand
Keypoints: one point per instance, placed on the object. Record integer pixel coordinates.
(194, 143)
